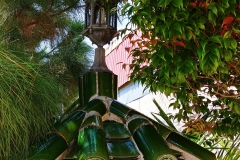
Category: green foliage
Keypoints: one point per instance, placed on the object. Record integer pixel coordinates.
(29, 100)
(32, 21)
(223, 148)
(69, 58)
(163, 115)
(36, 85)
(190, 49)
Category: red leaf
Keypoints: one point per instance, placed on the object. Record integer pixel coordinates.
(180, 44)
(124, 66)
(227, 20)
(208, 128)
(166, 45)
(132, 42)
(174, 38)
(154, 42)
(143, 56)
(146, 44)
(225, 28)
(130, 36)
(146, 36)
(139, 45)
(127, 49)
(223, 32)
(192, 4)
(205, 5)
(183, 38)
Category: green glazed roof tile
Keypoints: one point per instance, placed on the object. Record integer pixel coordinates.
(132, 113)
(115, 130)
(93, 120)
(150, 143)
(92, 144)
(137, 122)
(104, 89)
(68, 128)
(190, 146)
(87, 87)
(119, 109)
(110, 139)
(163, 130)
(50, 149)
(122, 149)
(95, 105)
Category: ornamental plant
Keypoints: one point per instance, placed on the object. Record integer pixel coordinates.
(190, 49)
(35, 83)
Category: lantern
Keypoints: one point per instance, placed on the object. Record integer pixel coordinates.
(100, 21)
(100, 28)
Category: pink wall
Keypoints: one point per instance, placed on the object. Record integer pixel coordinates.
(120, 54)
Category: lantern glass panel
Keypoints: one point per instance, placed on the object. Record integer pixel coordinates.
(99, 15)
(87, 15)
(96, 14)
(113, 20)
